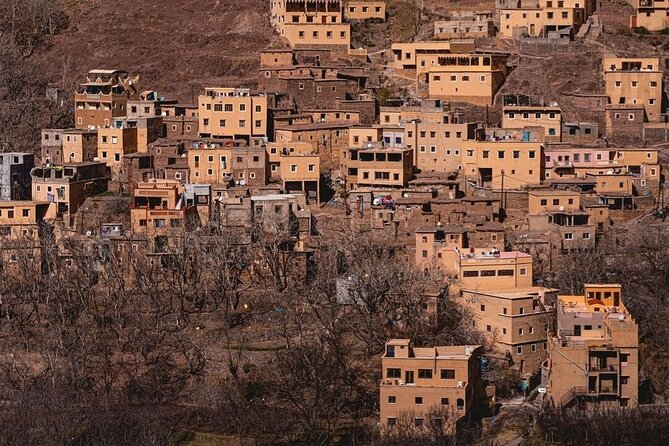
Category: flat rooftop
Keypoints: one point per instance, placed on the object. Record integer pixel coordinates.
(12, 203)
(449, 229)
(316, 126)
(551, 192)
(519, 293)
(274, 197)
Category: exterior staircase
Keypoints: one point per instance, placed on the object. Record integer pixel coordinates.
(572, 396)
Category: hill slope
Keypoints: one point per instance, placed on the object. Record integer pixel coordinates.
(175, 46)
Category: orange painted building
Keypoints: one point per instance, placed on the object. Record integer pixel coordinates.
(419, 380)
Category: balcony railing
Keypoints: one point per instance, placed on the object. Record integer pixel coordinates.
(603, 367)
(604, 390)
(563, 164)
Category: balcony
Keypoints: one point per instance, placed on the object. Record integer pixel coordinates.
(562, 164)
(395, 382)
(603, 391)
(603, 367)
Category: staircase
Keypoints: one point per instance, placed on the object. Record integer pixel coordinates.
(572, 396)
(590, 30)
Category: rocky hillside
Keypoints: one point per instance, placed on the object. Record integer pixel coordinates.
(176, 46)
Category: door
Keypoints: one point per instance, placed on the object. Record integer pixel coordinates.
(577, 330)
(408, 375)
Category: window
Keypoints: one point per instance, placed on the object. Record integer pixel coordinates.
(488, 328)
(470, 153)
(392, 399)
(544, 202)
(293, 167)
(418, 421)
(586, 236)
(242, 123)
(159, 222)
(444, 401)
(521, 331)
(425, 373)
(500, 154)
(533, 348)
(521, 310)
(470, 274)
(393, 373)
(569, 236)
(419, 400)
(482, 307)
(531, 154)
(447, 373)
(486, 154)
(519, 350)
(556, 202)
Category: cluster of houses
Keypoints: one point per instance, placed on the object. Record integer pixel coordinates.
(474, 200)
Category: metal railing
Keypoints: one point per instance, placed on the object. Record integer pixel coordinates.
(573, 393)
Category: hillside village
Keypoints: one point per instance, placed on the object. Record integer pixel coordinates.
(450, 213)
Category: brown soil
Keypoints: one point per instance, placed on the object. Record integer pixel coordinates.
(175, 46)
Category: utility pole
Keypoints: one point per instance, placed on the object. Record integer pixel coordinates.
(502, 200)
